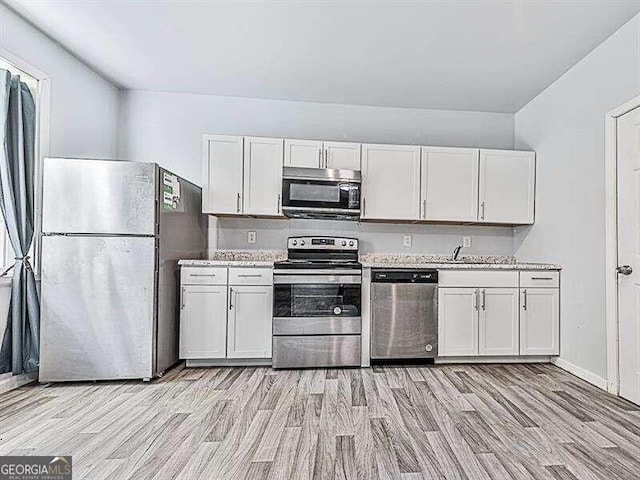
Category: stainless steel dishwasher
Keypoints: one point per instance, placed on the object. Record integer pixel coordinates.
(404, 314)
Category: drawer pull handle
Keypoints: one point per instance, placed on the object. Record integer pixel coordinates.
(541, 278)
(246, 275)
(202, 274)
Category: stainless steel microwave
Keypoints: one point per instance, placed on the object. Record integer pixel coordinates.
(321, 193)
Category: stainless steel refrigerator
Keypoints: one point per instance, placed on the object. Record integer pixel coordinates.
(112, 234)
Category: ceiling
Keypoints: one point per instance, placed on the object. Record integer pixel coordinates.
(455, 54)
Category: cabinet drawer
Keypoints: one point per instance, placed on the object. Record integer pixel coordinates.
(250, 276)
(539, 278)
(203, 276)
(477, 278)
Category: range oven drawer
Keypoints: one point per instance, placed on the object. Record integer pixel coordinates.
(324, 351)
(317, 325)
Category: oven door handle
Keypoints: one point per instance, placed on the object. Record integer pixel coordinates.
(317, 279)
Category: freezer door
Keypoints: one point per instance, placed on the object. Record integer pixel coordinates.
(99, 196)
(98, 302)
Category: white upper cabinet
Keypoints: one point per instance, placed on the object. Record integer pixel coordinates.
(303, 153)
(243, 176)
(317, 154)
(262, 176)
(449, 187)
(507, 186)
(390, 182)
(342, 155)
(222, 175)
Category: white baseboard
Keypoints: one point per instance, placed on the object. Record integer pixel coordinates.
(8, 381)
(580, 372)
(505, 359)
(229, 362)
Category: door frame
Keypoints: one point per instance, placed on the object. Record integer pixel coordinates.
(611, 241)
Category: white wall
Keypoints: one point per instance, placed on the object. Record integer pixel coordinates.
(84, 106)
(167, 127)
(565, 126)
(374, 237)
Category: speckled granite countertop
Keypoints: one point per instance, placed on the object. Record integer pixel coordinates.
(443, 262)
(265, 259)
(238, 258)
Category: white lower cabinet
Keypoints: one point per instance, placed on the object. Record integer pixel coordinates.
(203, 321)
(222, 319)
(457, 322)
(249, 324)
(539, 321)
(499, 323)
(496, 313)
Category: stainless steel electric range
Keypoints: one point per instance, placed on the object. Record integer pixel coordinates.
(317, 304)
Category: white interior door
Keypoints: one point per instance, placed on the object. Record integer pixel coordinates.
(628, 148)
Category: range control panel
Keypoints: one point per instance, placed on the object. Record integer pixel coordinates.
(322, 243)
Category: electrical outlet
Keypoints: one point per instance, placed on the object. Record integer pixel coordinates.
(407, 240)
(251, 237)
(466, 242)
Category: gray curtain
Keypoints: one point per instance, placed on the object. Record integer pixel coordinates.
(21, 340)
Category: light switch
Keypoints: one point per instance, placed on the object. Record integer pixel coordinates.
(466, 242)
(251, 237)
(407, 240)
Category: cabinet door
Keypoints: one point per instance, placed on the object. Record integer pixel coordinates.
(303, 153)
(250, 317)
(342, 155)
(203, 321)
(457, 322)
(222, 174)
(507, 186)
(499, 322)
(539, 321)
(449, 184)
(262, 176)
(390, 182)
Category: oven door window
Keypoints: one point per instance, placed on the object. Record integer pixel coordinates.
(320, 194)
(309, 300)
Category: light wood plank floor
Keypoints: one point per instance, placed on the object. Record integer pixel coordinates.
(408, 423)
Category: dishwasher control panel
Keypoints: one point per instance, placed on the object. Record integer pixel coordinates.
(404, 276)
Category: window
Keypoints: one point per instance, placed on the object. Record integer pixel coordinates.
(38, 84)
